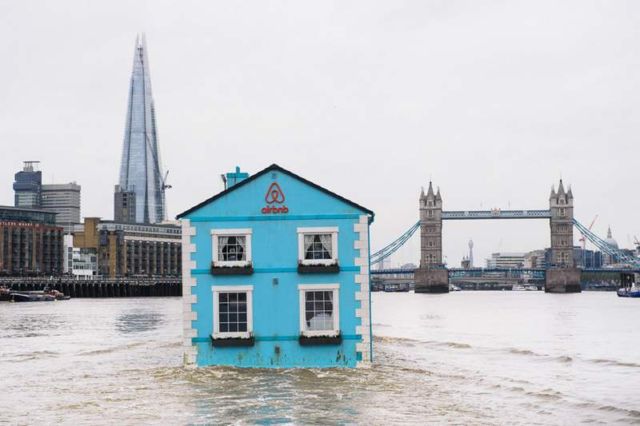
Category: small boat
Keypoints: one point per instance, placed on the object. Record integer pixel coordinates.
(633, 291)
(395, 288)
(58, 295)
(37, 296)
(5, 294)
(524, 287)
(31, 296)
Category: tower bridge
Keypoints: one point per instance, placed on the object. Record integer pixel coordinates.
(561, 275)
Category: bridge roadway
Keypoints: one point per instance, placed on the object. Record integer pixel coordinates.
(474, 271)
(496, 214)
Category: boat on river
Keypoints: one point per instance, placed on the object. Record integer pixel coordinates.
(37, 296)
(5, 294)
(524, 287)
(632, 291)
(31, 296)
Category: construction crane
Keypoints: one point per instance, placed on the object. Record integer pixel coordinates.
(165, 185)
(584, 242)
(584, 239)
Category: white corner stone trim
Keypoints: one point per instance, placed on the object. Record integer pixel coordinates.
(188, 299)
(362, 278)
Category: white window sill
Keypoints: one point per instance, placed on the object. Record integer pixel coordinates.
(231, 264)
(234, 335)
(319, 262)
(320, 333)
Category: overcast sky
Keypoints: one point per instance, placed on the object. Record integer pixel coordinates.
(493, 101)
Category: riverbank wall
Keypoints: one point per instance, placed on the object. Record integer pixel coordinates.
(142, 287)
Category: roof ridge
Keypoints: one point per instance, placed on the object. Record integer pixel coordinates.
(274, 166)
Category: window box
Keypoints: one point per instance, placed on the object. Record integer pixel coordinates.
(232, 342)
(318, 269)
(320, 340)
(231, 270)
(232, 315)
(231, 248)
(319, 313)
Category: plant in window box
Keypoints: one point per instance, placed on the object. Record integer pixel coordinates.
(220, 268)
(305, 340)
(231, 342)
(318, 268)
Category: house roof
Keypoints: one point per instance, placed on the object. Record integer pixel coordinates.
(271, 168)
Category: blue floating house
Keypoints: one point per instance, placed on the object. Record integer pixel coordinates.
(276, 274)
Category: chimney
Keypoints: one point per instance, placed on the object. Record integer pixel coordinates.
(234, 178)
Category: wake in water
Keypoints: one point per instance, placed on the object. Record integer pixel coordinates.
(102, 367)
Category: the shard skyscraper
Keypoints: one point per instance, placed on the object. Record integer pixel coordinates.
(139, 196)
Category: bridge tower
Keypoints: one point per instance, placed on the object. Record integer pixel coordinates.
(431, 276)
(562, 276)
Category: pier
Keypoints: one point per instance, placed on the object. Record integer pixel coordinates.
(98, 288)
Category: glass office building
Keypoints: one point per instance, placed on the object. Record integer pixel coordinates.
(140, 170)
(28, 186)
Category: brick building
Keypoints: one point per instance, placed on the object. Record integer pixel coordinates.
(30, 242)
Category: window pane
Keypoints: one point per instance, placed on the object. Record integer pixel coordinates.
(317, 246)
(232, 248)
(232, 314)
(319, 310)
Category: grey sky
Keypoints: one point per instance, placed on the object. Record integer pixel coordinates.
(492, 100)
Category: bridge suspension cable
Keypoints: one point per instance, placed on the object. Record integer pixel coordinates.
(387, 251)
(601, 244)
(605, 247)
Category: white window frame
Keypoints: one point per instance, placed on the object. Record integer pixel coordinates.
(333, 230)
(216, 290)
(302, 289)
(244, 232)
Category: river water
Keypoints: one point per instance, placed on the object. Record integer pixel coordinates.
(465, 358)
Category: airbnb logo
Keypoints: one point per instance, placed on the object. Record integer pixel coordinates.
(274, 195)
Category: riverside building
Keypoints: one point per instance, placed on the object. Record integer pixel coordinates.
(276, 274)
(30, 242)
(131, 249)
(64, 199)
(28, 186)
(506, 260)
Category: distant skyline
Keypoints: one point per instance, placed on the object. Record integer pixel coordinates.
(492, 101)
